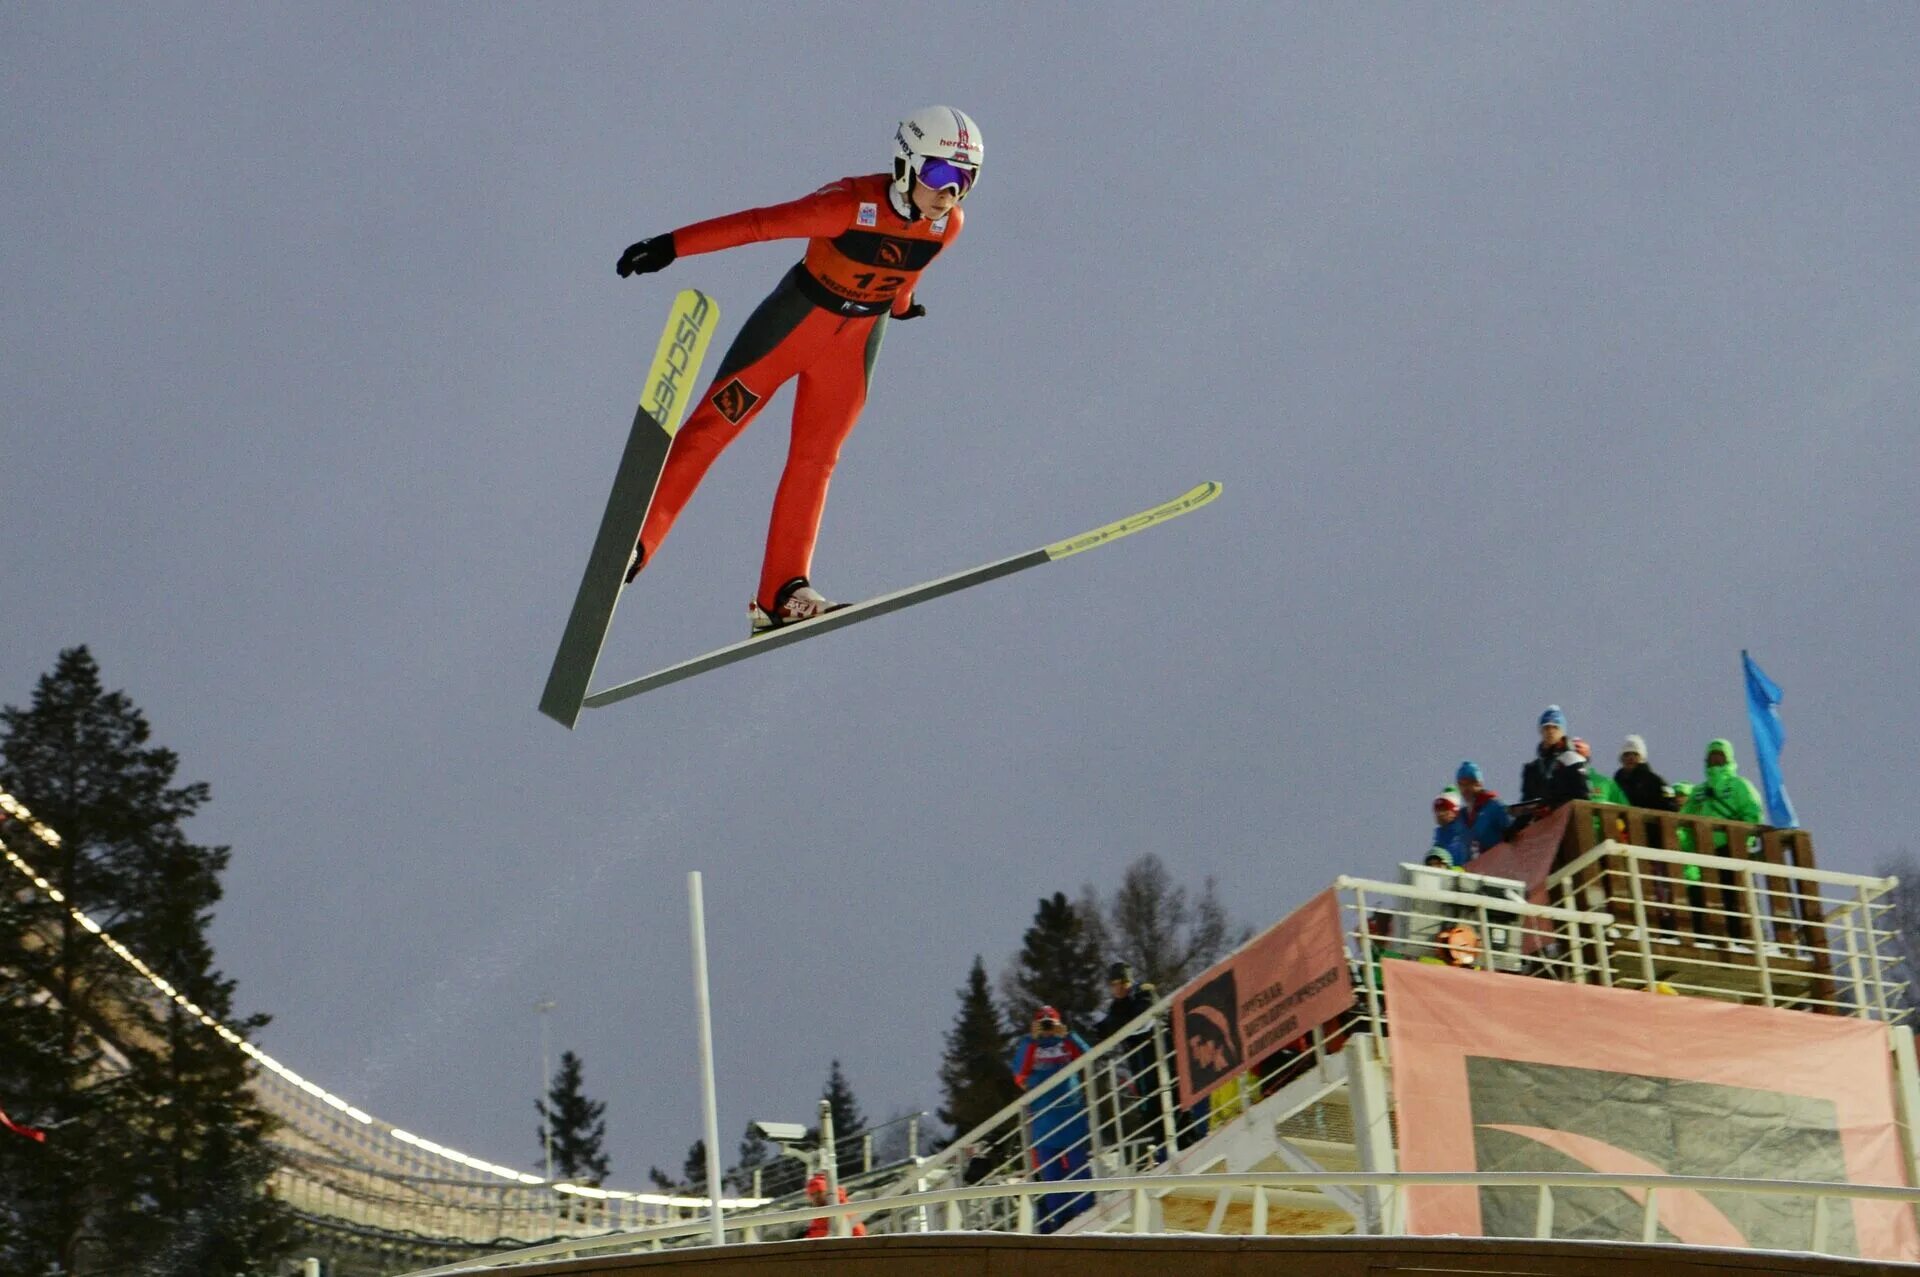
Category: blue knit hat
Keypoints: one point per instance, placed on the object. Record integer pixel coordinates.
(1468, 771)
(1554, 715)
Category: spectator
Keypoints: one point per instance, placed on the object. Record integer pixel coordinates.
(1643, 786)
(1450, 833)
(1557, 774)
(1458, 944)
(1139, 1097)
(1486, 816)
(1130, 1001)
(1380, 945)
(1058, 1123)
(1600, 786)
(817, 1196)
(1677, 795)
(1725, 794)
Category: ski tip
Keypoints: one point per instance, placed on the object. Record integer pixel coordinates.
(1192, 499)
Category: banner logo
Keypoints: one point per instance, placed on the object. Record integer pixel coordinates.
(1210, 1033)
(1543, 1117)
(1285, 983)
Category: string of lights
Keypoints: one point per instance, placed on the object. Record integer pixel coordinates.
(18, 812)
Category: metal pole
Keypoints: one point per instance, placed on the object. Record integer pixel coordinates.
(1906, 1074)
(1167, 1092)
(832, 1166)
(543, 1006)
(703, 1004)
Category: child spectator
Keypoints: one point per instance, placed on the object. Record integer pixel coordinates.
(1486, 816)
(1643, 786)
(1450, 833)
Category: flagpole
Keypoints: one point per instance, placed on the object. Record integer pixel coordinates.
(703, 1004)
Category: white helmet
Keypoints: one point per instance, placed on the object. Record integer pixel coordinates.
(935, 133)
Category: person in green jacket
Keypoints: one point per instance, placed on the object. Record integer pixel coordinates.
(1601, 787)
(1680, 791)
(1725, 794)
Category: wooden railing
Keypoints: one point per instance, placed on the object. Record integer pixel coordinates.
(1796, 917)
(1728, 909)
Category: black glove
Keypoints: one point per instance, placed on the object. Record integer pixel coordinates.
(648, 256)
(912, 312)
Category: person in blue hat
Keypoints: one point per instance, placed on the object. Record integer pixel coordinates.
(1557, 774)
(1485, 816)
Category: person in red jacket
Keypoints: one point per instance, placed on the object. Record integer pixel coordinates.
(868, 240)
(817, 1195)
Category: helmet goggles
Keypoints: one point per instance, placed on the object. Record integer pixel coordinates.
(941, 175)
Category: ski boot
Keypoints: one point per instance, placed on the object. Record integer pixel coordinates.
(796, 601)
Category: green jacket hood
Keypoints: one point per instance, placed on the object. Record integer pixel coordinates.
(1725, 746)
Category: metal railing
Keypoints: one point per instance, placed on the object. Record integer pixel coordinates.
(1116, 1111)
(1764, 927)
(1740, 929)
(949, 1210)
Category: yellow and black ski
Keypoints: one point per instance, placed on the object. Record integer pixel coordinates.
(671, 384)
(885, 603)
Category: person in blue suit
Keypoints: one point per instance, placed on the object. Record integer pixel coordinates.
(1057, 1122)
(1450, 829)
(1486, 817)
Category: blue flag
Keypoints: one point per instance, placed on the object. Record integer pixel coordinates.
(1769, 737)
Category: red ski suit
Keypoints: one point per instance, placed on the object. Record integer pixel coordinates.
(822, 324)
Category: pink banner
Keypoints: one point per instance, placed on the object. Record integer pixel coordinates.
(1288, 981)
(1501, 1072)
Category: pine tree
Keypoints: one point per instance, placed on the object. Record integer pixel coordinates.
(156, 1159)
(755, 1153)
(693, 1172)
(1058, 966)
(577, 1126)
(848, 1123)
(39, 1090)
(975, 1082)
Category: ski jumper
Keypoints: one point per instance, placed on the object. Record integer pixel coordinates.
(822, 324)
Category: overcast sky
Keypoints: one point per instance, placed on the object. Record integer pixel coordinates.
(1547, 353)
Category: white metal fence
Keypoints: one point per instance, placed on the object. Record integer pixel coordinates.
(1013, 1205)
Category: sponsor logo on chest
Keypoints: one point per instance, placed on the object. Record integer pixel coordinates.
(939, 227)
(869, 215)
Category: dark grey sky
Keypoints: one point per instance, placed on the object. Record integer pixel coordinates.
(1548, 354)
